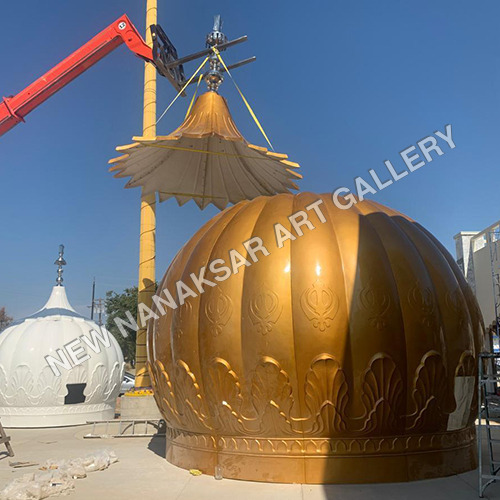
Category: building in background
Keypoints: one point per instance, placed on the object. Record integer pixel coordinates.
(478, 255)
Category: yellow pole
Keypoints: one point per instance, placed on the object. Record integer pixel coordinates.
(147, 245)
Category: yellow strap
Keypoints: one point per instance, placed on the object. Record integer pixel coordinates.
(193, 150)
(192, 195)
(183, 88)
(250, 110)
(194, 96)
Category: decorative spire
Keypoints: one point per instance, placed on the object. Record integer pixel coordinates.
(60, 262)
(213, 77)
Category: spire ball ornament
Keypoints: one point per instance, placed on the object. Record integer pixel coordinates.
(213, 77)
(60, 262)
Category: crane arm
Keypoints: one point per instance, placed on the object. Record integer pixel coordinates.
(13, 109)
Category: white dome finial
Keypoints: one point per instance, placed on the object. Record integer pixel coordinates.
(60, 262)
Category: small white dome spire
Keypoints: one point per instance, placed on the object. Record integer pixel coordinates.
(58, 299)
(58, 303)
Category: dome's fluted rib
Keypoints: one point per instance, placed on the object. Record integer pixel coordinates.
(372, 256)
(404, 222)
(414, 263)
(333, 212)
(178, 267)
(464, 287)
(212, 346)
(299, 284)
(199, 256)
(450, 322)
(247, 272)
(400, 220)
(170, 278)
(287, 200)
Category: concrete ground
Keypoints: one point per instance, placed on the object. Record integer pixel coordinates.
(143, 473)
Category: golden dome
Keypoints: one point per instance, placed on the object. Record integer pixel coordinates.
(347, 355)
(205, 159)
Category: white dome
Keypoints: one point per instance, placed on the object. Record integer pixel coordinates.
(31, 394)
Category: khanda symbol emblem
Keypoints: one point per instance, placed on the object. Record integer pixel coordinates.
(218, 310)
(264, 309)
(320, 305)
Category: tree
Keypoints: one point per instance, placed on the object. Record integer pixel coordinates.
(5, 320)
(117, 305)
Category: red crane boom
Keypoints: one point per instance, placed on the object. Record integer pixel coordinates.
(13, 109)
(162, 54)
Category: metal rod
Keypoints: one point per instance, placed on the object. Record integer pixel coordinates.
(205, 52)
(93, 300)
(240, 63)
(479, 436)
(493, 258)
(482, 394)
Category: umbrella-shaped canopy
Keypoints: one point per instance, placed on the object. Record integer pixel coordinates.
(206, 159)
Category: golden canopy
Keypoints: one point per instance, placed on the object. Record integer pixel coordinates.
(206, 159)
(348, 355)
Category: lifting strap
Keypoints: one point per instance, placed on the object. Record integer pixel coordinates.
(250, 110)
(194, 96)
(183, 88)
(247, 104)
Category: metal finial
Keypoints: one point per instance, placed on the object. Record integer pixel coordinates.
(213, 77)
(60, 262)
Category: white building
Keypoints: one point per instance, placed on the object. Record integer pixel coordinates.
(81, 384)
(478, 255)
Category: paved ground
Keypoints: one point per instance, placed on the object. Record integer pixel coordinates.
(143, 473)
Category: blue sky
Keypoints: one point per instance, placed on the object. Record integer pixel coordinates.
(339, 86)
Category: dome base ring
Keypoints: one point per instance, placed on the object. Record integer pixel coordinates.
(324, 460)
